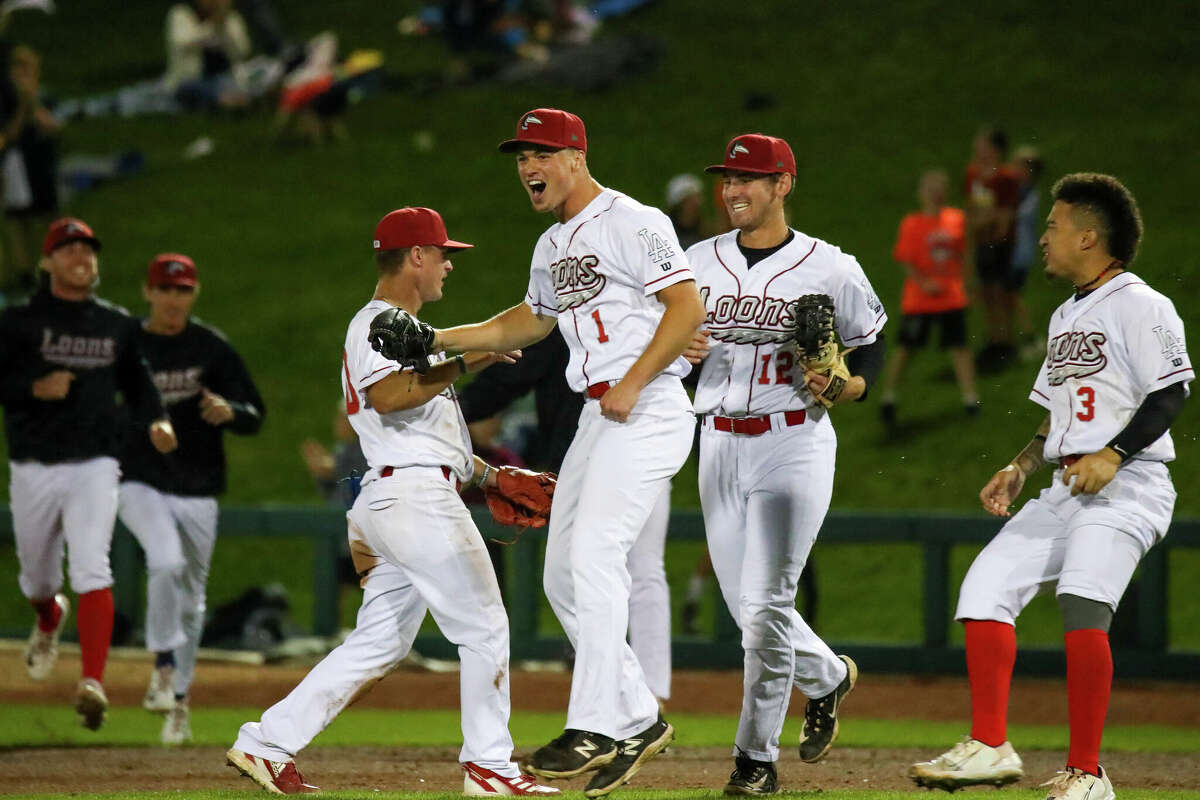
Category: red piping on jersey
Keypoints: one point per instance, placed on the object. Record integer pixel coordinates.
(551, 238)
(868, 333)
(536, 304)
(721, 261)
(1176, 372)
(670, 275)
(753, 369)
(586, 221)
(583, 366)
(381, 369)
(789, 269)
(754, 365)
(1039, 394)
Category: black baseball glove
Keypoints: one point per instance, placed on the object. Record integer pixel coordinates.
(403, 338)
(817, 345)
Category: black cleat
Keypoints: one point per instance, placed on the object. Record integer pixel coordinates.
(632, 755)
(751, 777)
(820, 717)
(573, 753)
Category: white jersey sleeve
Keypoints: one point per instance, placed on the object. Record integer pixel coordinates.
(1157, 348)
(860, 314)
(652, 251)
(540, 295)
(431, 435)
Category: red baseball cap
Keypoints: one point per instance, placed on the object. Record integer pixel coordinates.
(548, 127)
(414, 227)
(171, 269)
(755, 152)
(67, 230)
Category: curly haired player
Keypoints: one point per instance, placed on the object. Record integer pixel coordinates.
(1114, 378)
(411, 538)
(767, 444)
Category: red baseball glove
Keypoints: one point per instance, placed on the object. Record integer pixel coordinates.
(520, 497)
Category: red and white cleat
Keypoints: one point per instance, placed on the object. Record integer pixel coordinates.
(482, 782)
(277, 777)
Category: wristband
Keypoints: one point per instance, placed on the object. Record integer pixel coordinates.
(462, 363)
(487, 470)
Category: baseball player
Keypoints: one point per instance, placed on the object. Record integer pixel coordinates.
(611, 275)
(411, 537)
(767, 444)
(64, 356)
(1114, 378)
(169, 502)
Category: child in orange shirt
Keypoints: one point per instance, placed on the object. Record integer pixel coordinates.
(930, 247)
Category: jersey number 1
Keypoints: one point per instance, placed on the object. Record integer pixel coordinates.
(599, 327)
(1087, 401)
(352, 404)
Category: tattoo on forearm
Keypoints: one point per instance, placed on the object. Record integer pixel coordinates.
(1031, 459)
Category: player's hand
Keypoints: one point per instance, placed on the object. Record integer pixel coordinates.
(618, 402)
(1092, 472)
(497, 358)
(318, 459)
(699, 347)
(1002, 490)
(214, 409)
(54, 385)
(162, 435)
(816, 383)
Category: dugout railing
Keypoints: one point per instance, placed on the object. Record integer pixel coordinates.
(1145, 655)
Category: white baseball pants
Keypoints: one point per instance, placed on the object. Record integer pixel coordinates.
(73, 504)
(764, 498)
(611, 478)
(177, 534)
(650, 600)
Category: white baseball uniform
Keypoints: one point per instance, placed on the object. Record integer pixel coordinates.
(767, 459)
(419, 548)
(1105, 353)
(598, 274)
(650, 599)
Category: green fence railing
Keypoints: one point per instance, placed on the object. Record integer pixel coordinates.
(1146, 656)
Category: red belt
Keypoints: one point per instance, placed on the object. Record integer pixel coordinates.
(447, 473)
(1066, 461)
(754, 426)
(597, 390)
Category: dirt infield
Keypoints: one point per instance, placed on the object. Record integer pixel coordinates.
(414, 769)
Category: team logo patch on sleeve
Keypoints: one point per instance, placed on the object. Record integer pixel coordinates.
(658, 249)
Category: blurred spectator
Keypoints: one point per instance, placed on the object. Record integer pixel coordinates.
(685, 202)
(318, 88)
(329, 467)
(930, 247)
(30, 168)
(1027, 163)
(206, 43)
(992, 195)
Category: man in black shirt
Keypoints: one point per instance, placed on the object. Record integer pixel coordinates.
(169, 501)
(64, 355)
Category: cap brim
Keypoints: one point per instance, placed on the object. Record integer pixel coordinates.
(191, 283)
(721, 169)
(454, 246)
(92, 240)
(513, 145)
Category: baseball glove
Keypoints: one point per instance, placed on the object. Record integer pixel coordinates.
(817, 345)
(403, 338)
(520, 497)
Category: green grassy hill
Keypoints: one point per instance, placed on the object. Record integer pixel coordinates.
(868, 95)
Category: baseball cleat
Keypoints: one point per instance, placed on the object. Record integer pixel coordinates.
(1075, 784)
(41, 654)
(482, 782)
(968, 763)
(631, 755)
(573, 753)
(821, 717)
(177, 726)
(91, 704)
(750, 777)
(277, 777)
(160, 694)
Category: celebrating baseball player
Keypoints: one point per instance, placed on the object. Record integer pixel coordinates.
(775, 297)
(411, 537)
(64, 355)
(1114, 378)
(610, 273)
(169, 502)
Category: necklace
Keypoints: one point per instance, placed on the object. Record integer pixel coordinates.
(1102, 273)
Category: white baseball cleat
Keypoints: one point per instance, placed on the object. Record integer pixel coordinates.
(160, 694)
(482, 782)
(277, 777)
(177, 726)
(91, 703)
(41, 654)
(1075, 784)
(968, 763)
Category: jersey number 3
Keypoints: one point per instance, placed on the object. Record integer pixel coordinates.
(352, 404)
(1087, 403)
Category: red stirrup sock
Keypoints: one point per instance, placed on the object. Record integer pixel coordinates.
(95, 623)
(1089, 684)
(48, 614)
(991, 653)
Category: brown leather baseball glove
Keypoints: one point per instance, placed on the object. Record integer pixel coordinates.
(520, 497)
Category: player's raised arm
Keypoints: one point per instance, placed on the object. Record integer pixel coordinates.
(682, 317)
(1005, 485)
(399, 391)
(509, 330)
